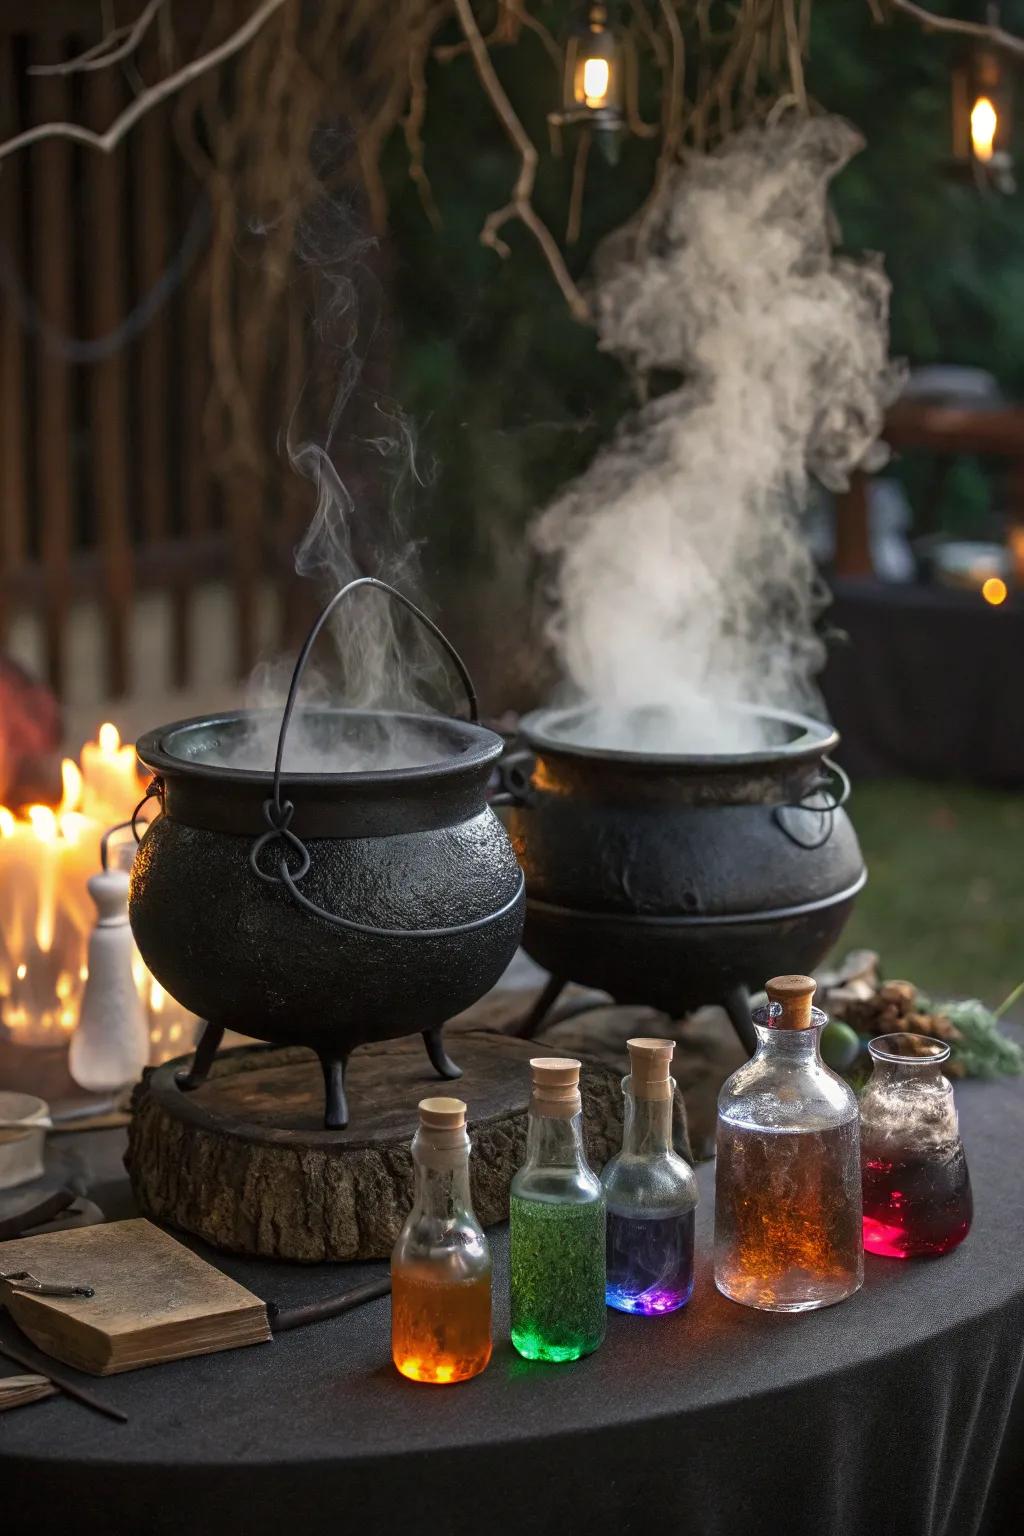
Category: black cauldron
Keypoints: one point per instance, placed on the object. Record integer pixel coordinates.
(326, 909)
(680, 880)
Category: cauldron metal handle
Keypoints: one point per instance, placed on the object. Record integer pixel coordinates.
(514, 776)
(827, 811)
(278, 813)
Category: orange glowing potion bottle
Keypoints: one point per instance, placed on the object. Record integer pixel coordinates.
(441, 1264)
(787, 1176)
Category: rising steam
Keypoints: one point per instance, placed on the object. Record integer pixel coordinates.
(358, 451)
(683, 580)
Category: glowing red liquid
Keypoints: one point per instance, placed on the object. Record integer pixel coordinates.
(915, 1207)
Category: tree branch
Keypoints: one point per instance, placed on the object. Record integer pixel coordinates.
(794, 52)
(105, 53)
(149, 98)
(519, 205)
(987, 31)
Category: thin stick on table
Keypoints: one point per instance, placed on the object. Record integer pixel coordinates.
(69, 1388)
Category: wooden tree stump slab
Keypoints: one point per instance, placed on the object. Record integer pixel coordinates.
(245, 1163)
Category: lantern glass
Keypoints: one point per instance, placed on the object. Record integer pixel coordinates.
(982, 110)
(593, 68)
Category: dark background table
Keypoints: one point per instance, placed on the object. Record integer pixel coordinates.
(928, 683)
(900, 1411)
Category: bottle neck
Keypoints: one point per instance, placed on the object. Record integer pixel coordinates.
(647, 1124)
(555, 1141)
(798, 1046)
(441, 1189)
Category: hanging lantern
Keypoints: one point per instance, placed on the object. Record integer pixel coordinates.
(592, 90)
(983, 114)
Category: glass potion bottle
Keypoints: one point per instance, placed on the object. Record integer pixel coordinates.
(787, 1179)
(441, 1264)
(651, 1194)
(557, 1225)
(917, 1191)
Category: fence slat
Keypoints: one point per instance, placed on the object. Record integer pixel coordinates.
(108, 301)
(195, 471)
(149, 167)
(49, 166)
(13, 467)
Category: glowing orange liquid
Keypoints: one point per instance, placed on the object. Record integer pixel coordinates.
(787, 1217)
(440, 1331)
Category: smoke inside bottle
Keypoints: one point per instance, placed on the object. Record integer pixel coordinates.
(650, 1262)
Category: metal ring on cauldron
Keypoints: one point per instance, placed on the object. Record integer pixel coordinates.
(828, 810)
(397, 933)
(278, 813)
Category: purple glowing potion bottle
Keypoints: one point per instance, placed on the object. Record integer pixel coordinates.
(651, 1194)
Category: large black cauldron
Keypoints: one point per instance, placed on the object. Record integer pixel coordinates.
(680, 880)
(325, 909)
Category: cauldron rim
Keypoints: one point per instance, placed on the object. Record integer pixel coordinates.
(480, 746)
(815, 739)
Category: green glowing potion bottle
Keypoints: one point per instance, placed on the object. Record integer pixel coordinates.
(557, 1226)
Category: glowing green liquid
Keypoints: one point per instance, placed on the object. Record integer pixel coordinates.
(558, 1277)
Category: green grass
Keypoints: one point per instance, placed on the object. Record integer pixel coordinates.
(944, 902)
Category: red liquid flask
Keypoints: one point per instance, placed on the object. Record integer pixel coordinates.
(917, 1191)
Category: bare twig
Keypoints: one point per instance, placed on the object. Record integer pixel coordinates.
(523, 16)
(673, 102)
(105, 52)
(794, 53)
(519, 205)
(149, 98)
(412, 126)
(987, 31)
(634, 122)
(579, 182)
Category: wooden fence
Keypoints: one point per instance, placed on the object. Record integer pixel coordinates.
(106, 485)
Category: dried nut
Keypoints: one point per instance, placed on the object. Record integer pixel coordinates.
(902, 993)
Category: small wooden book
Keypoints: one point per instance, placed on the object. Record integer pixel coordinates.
(154, 1299)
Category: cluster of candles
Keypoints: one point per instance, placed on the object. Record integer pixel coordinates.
(47, 855)
(807, 1179)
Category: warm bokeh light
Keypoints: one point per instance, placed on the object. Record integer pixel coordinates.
(994, 590)
(596, 76)
(984, 126)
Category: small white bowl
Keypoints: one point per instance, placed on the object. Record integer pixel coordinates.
(21, 1151)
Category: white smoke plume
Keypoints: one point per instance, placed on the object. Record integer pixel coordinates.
(683, 580)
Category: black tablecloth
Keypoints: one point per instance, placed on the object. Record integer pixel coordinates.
(898, 1413)
(930, 682)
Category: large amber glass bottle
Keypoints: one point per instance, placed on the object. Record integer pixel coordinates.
(441, 1265)
(787, 1180)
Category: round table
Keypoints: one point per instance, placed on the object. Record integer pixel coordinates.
(898, 1413)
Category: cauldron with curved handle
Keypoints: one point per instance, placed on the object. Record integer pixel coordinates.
(326, 909)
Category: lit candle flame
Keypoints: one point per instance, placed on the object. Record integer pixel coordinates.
(596, 77)
(994, 590)
(109, 738)
(984, 126)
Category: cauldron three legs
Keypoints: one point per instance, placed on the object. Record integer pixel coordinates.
(333, 1065)
(736, 1003)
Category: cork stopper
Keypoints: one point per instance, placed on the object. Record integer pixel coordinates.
(794, 994)
(442, 1114)
(649, 1062)
(443, 1122)
(556, 1086)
